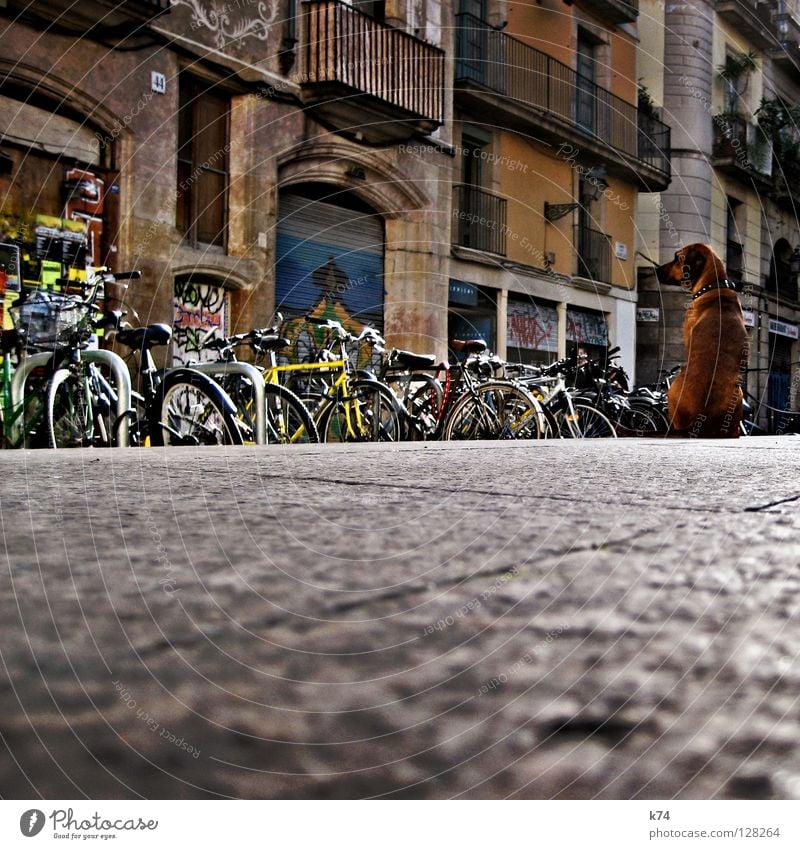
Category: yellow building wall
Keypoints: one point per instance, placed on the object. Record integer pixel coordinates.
(529, 175)
(651, 48)
(552, 28)
(619, 218)
(548, 28)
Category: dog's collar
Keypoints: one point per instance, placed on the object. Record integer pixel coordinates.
(725, 284)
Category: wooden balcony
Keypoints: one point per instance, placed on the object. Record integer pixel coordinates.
(479, 220)
(367, 80)
(614, 11)
(537, 92)
(102, 18)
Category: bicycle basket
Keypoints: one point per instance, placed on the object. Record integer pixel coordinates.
(49, 320)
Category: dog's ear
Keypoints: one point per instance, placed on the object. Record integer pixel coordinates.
(694, 263)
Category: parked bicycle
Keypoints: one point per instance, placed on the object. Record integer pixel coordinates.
(287, 421)
(83, 390)
(345, 404)
(566, 415)
(474, 401)
(176, 406)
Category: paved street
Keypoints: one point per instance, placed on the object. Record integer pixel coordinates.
(608, 619)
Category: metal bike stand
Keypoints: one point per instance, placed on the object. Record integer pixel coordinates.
(256, 378)
(119, 369)
(114, 362)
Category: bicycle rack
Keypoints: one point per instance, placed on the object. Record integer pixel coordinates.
(108, 358)
(256, 378)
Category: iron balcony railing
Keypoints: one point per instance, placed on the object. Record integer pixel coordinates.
(742, 144)
(479, 220)
(496, 61)
(594, 254)
(350, 48)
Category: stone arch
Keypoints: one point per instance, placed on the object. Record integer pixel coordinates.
(60, 94)
(379, 184)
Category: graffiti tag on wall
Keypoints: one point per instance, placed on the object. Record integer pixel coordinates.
(201, 313)
(532, 326)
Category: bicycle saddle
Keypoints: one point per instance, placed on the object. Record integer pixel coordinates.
(407, 359)
(471, 346)
(145, 337)
(270, 342)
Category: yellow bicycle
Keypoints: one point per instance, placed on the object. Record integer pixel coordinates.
(349, 407)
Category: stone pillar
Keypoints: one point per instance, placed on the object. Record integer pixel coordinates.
(561, 312)
(501, 343)
(688, 80)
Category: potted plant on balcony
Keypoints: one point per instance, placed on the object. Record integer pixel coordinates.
(780, 124)
(730, 125)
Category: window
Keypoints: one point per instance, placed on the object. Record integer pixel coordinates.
(375, 9)
(734, 249)
(586, 95)
(203, 149)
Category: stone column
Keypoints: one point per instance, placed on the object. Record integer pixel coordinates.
(688, 80)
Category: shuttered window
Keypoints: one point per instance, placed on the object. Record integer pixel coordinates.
(203, 149)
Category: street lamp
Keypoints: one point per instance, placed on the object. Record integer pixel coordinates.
(593, 184)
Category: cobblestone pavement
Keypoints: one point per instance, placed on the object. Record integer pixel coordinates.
(608, 619)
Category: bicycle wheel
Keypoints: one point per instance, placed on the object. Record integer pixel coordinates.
(368, 413)
(191, 409)
(288, 419)
(494, 410)
(70, 422)
(586, 423)
(660, 422)
(636, 422)
(423, 409)
(138, 424)
(28, 428)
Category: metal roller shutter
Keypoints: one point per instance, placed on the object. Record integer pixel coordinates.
(329, 261)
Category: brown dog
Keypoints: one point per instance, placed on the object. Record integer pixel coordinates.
(705, 399)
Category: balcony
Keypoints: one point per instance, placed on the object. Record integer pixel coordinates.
(594, 254)
(479, 220)
(753, 19)
(740, 149)
(367, 80)
(99, 18)
(614, 11)
(787, 55)
(537, 91)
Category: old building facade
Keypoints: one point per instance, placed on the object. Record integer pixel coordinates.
(436, 170)
(551, 151)
(726, 77)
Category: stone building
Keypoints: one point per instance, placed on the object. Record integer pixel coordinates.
(435, 170)
(727, 79)
(240, 149)
(550, 153)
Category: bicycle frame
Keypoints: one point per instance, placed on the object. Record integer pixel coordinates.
(352, 411)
